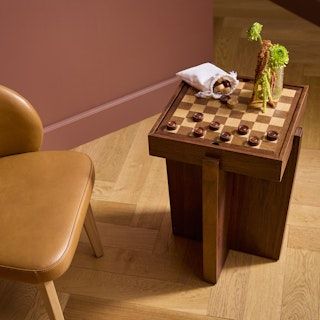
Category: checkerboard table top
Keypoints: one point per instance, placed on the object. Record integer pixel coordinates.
(187, 104)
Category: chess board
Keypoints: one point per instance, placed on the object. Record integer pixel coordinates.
(278, 118)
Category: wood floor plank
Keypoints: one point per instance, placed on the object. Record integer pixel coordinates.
(306, 186)
(88, 308)
(134, 263)
(118, 236)
(245, 56)
(310, 157)
(252, 9)
(149, 292)
(295, 73)
(166, 243)
(113, 212)
(38, 310)
(311, 127)
(153, 201)
(21, 301)
(304, 216)
(110, 152)
(114, 259)
(228, 296)
(135, 168)
(264, 290)
(311, 69)
(301, 286)
(304, 238)
(102, 189)
(192, 264)
(265, 286)
(16, 299)
(227, 47)
(217, 29)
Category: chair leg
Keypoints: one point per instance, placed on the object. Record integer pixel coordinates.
(92, 233)
(51, 301)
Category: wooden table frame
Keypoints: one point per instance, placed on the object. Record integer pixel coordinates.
(230, 202)
(228, 210)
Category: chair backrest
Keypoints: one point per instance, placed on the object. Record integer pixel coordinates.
(20, 125)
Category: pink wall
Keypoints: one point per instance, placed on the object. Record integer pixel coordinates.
(69, 56)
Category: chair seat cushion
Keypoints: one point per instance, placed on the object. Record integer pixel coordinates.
(44, 198)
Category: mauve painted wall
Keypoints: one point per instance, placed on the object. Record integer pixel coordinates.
(67, 56)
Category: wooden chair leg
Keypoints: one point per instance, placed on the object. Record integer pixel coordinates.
(92, 233)
(51, 301)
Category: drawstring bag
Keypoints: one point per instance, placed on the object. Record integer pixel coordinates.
(205, 78)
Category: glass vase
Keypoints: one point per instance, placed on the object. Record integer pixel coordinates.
(278, 83)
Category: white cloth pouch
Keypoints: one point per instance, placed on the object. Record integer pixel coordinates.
(204, 76)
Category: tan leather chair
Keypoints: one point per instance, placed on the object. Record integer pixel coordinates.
(44, 202)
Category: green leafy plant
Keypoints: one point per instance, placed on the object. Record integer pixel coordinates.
(279, 56)
(270, 58)
(254, 32)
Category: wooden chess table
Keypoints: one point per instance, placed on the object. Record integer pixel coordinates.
(229, 193)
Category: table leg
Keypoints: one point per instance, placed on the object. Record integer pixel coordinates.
(260, 207)
(199, 200)
(185, 189)
(215, 195)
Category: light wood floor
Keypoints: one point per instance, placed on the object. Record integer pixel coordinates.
(147, 273)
